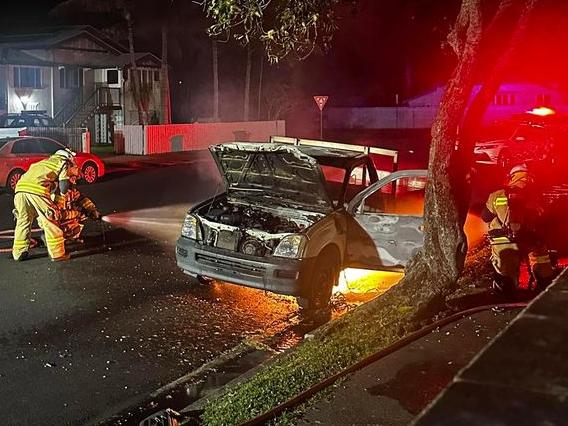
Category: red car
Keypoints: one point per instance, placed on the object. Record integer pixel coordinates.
(18, 153)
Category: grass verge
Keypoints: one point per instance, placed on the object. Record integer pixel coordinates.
(335, 346)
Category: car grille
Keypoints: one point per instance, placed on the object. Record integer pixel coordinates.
(230, 266)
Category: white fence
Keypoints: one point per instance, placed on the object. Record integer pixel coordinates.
(129, 139)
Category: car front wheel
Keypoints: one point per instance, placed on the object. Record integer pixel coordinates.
(13, 178)
(90, 172)
(324, 277)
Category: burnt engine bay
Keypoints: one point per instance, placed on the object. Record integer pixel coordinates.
(249, 229)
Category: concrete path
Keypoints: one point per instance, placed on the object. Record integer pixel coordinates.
(521, 378)
(392, 391)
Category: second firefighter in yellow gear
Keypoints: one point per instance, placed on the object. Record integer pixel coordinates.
(74, 209)
(32, 201)
(513, 215)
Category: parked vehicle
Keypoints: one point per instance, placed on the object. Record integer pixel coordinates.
(15, 124)
(292, 217)
(534, 138)
(18, 153)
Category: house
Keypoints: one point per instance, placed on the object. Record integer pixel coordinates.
(419, 112)
(80, 77)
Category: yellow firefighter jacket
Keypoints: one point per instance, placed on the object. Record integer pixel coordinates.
(498, 204)
(42, 177)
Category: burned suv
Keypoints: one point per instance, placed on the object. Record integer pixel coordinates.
(292, 217)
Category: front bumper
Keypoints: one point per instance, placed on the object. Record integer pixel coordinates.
(279, 275)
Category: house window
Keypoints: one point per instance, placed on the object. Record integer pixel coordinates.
(70, 78)
(504, 99)
(112, 76)
(156, 75)
(543, 99)
(27, 77)
(145, 77)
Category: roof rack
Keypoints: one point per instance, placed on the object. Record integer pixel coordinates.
(336, 145)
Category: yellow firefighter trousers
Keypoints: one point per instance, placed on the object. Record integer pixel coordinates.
(507, 257)
(30, 207)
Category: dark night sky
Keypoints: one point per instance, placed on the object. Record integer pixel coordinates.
(382, 48)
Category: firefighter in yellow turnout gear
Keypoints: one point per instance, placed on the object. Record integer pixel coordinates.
(33, 200)
(514, 214)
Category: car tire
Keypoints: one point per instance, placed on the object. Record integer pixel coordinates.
(324, 278)
(90, 172)
(13, 179)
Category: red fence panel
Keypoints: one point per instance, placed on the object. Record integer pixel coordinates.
(184, 137)
(168, 138)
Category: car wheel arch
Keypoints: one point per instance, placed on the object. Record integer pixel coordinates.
(330, 251)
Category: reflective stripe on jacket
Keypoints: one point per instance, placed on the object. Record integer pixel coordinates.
(498, 204)
(43, 176)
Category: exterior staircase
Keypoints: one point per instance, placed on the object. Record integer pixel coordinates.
(79, 112)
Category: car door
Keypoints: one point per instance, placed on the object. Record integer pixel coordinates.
(385, 222)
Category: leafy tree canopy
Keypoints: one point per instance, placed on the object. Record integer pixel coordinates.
(285, 27)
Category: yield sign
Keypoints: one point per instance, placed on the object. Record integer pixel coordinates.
(321, 101)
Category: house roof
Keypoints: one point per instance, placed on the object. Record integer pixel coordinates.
(19, 49)
(17, 57)
(50, 37)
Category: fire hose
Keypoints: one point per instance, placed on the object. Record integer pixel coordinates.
(399, 344)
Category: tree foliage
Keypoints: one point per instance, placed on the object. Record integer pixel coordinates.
(284, 27)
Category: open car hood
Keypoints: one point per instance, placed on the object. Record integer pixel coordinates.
(281, 173)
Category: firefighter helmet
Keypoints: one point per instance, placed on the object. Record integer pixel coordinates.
(66, 153)
(519, 168)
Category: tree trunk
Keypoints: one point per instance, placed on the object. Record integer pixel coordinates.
(134, 69)
(433, 273)
(165, 80)
(246, 109)
(215, 52)
(260, 76)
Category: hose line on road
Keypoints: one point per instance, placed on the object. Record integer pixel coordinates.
(308, 393)
(8, 234)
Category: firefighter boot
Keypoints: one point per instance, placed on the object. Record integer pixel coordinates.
(502, 284)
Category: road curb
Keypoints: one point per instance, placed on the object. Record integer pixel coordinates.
(136, 409)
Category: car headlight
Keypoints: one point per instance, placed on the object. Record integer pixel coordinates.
(190, 227)
(291, 246)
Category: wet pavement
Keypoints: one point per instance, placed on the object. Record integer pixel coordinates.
(84, 339)
(395, 389)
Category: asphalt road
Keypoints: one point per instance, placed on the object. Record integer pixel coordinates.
(83, 339)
